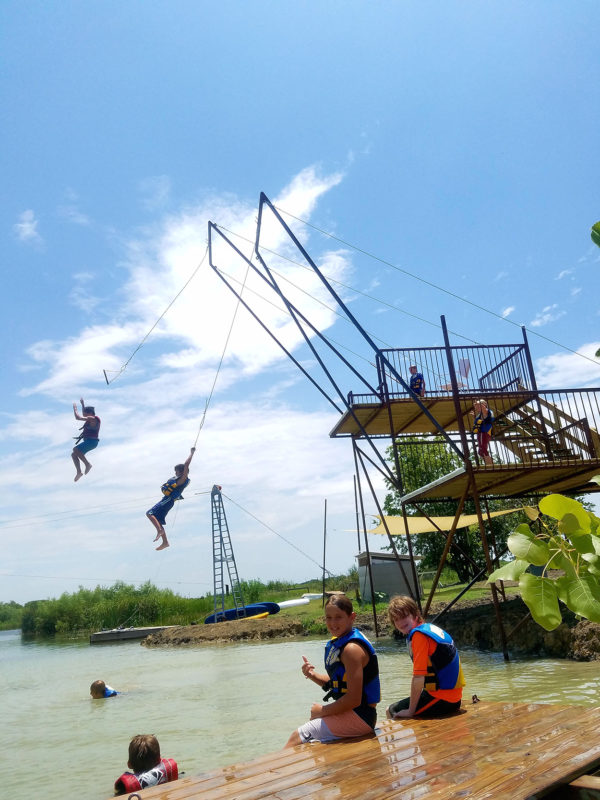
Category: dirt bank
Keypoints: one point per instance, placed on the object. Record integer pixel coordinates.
(472, 624)
(273, 627)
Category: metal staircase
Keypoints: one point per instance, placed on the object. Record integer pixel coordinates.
(543, 432)
(223, 555)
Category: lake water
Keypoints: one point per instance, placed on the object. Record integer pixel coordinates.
(208, 706)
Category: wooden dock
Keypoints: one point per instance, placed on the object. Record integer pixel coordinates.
(491, 750)
(123, 634)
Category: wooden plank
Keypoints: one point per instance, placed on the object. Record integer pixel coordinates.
(499, 750)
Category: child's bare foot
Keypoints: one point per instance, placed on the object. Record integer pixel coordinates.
(87, 469)
(163, 545)
(76, 478)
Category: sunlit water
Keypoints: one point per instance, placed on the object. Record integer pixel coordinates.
(208, 706)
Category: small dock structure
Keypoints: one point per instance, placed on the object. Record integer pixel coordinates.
(505, 751)
(123, 634)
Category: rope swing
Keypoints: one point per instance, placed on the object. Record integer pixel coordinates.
(141, 344)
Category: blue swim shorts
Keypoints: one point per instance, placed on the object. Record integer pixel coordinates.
(87, 445)
(161, 509)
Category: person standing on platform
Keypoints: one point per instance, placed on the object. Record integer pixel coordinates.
(417, 382)
(437, 682)
(482, 427)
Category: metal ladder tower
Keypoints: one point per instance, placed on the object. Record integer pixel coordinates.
(223, 554)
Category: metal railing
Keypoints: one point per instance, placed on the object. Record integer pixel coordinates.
(477, 368)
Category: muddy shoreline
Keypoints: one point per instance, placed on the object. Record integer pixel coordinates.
(472, 624)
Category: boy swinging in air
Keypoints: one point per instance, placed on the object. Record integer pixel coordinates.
(172, 490)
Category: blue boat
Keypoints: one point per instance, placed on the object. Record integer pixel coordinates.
(251, 610)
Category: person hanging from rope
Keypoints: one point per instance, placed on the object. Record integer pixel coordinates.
(87, 439)
(172, 491)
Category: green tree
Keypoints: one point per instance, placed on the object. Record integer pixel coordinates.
(422, 461)
(563, 542)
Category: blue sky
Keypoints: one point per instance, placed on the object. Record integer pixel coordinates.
(458, 141)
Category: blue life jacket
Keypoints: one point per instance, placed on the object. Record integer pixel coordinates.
(371, 691)
(483, 424)
(171, 490)
(110, 692)
(445, 671)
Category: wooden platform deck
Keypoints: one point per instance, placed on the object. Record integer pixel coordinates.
(514, 480)
(504, 751)
(407, 417)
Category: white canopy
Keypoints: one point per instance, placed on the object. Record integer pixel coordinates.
(423, 525)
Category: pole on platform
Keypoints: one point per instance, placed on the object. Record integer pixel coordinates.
(324, 547)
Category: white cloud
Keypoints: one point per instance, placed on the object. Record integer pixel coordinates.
(501, 275)
(563, 274)
(575, 291)
(569, 370)
(155, 192)
(80, 296)
(26, 228)
(507, 311)
(261, 439)
(546, 315)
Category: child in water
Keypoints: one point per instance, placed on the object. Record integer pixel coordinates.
(436, 686)
(99, 690)
(149, 769)
(352, 680)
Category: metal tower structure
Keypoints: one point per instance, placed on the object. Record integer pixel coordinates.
(223, 555)
(544, 440)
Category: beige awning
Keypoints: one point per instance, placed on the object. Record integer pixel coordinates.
(423, 525)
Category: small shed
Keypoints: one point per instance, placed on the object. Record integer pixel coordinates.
(389, 577)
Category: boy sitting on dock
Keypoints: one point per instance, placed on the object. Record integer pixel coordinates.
(99, 690)
(437, 682)
(149, 769)
(352, 680)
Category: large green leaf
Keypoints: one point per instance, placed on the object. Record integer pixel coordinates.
(541, 598)
(557, 506)
(509, 572)
(561, 561)
(595, 233)
(569, 526)
(593, 563)
(583, 597)
(525, 530)
(528, 549)
(583, 544)
(596, 544)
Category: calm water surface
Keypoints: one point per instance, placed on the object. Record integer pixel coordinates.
(208, 706)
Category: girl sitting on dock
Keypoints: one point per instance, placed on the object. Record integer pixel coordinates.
(352, 680)
(436, 686)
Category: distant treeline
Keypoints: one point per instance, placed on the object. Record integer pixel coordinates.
(125, 605)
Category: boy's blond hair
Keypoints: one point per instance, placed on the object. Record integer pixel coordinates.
(144, 752)
(403, 606)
